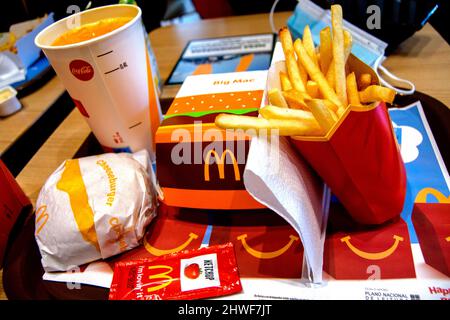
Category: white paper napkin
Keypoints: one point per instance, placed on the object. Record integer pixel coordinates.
(278, 177)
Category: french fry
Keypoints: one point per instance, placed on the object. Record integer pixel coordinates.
(352, 90)
(312, 89)
(308, 43)
(331, 106)
(277, 99)
(303, 73)
(365, 80)
(285, 127)
(325, 49)
(330, 76)
(348, 42)
(285, 82)
(338, 53)
(294, 72)
(296, 99)
(322, 114)
(376, 93)
(347, 50)
(291, 62)
(316, 75)
(271, 112)
(286, 39)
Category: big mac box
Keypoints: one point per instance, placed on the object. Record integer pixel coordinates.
(198, 164)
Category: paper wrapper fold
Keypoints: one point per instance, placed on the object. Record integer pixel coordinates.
(281, 180)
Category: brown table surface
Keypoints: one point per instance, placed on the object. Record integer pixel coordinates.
(33, 106)
(423, 59)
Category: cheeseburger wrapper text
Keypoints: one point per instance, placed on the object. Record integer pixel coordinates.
(94, 207)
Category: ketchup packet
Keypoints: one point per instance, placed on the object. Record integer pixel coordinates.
(186, 275)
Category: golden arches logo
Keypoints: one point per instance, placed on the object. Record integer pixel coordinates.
(447, 239)
(422, 195)
(266, 255)
(72, 183)
(159, 252)
(373, 255)
(41, 214)
(163, 276)
(220, 160)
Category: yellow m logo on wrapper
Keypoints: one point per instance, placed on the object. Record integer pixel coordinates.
(159, 252)
(164, 276)
(72, 183)
(422, 196)
(41, 214)
(373, 255)
(220, 160)
(266, 255)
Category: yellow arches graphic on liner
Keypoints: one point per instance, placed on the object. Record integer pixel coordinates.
(159, 252)
(373, 255)
(266, 255)
(422, 195)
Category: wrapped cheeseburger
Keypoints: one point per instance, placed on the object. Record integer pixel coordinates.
(94, 207)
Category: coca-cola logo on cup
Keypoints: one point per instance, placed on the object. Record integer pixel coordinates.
(81, 70)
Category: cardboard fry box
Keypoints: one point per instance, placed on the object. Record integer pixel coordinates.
(359, 158)
(432, 224)
(198, 164)
(354, 251)
(13, 203)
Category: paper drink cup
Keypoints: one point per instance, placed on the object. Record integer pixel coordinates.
(359, 158)
(109, 78)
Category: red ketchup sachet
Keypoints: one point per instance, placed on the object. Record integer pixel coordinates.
(186, 275)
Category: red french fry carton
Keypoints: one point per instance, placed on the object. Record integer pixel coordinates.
(355, 251)
(13, 202)
(359, 158)
(198, 164)
(360, 161)
(432, 224)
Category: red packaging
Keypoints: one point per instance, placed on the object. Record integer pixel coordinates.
(186, 275)
(432, 224)
(359, 158)
(263, 241)
(13, 202)
(360, 161)
(357, 252)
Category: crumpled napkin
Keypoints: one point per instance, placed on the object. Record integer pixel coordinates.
(277, 176)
